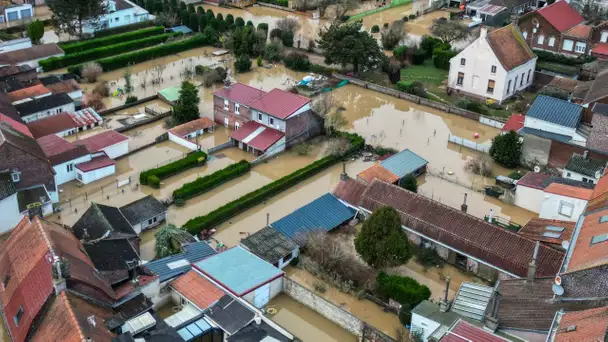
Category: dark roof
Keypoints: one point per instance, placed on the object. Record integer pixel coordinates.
(598, 138)
(110, 255)
(556, 111)
(510, 47)
(43, 103)
(166, 270)
(567, 181)
(349, 191)
(122, 5)
(7, 187)
(269, 244)
(33, 195)
(8, 134)
(142, 209)
(460, 231)
(587, 283)
(230, 314)
(586, 166)
(257, 332)
(581, 90)
(548, 231)
(535, 180)
(431, 311)
(30, 54)
(51, 125)
(100, 219)
(598, 89)
(600, 108)
(509, 3)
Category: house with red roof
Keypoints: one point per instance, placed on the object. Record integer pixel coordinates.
(112, 143)
(231, 104)
(188, 134)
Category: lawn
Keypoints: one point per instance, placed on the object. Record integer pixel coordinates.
(426, 73)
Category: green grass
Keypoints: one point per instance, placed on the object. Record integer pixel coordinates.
(569, 70)
(393, 4)
(426, 73)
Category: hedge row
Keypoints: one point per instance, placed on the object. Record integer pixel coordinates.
(404, 290)
(562, 59)
(204, 184)
(121, 61)
(70, 48)
(223, 213)
(124, 28)
(54, 63)
(189, 161)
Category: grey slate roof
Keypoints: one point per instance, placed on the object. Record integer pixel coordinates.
(600, 108)
(142, 209)
(192, 252)
(111, 255)
(431, 311)
(472, 300)
(404, 163)
(556, 111)
(100, 219)
(43, 103)
(269, 244)
(257, 332)
(230, 314)
(586, 166)
(324, 213)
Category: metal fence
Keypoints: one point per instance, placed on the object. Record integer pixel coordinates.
(491, 122)
(484, 147)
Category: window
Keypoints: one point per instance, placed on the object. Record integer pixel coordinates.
(463, 61)
(460, 79)
(155, 219)
(5, 280)
(604, 37)
(568, 45)
(79, 176)
(17, 316)
(271, 121)
(585, 180)
(565, 208)
(259, 117)
(16, 175)
(551, 41)
(541, 40)
(599, 238)
(150, 221)
(522, 79)
(515, 84)
(509, 87)
(528, 79)
(490, 86)
(226, 104)
(70, 167)
(568, 174)
(493, 69)
(525, 34)
(580, 47)
(237, 108)
(117, 19)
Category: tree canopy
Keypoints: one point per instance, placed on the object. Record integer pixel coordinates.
(382, 242)
(449, 31)
(70, 16)
(186, 108)
(506, 149)
(410, 183)
(347, 44)
(169, 240)
(35, 31)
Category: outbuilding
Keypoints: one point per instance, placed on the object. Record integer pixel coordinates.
(112, 143)
(186, 134)
(145, 213)
(97, 168)
(272, 246)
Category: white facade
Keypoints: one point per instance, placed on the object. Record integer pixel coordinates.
(260, 296)
(274, 122)
(17, 12)
(116, 18)
(117, 150)
(580, 177)
(475, 67)
(67, 108)
(91, 176)
(66, 172)
(150, 223)
(529, 198)
(423, 325)
(559, 207)
(9, 207)
(183, 142)
(15, 44)
(285, 261)
(555, 128)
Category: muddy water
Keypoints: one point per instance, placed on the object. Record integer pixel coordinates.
(305, 323)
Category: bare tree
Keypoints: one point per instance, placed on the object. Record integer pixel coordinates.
(91, 71)
(393, 35)
(94, 100)
(337, 146)
(187, 71)
(323, 104)
(102, 89)
(322, 6)
(343, 6)
(449, 31)
(157, 73)
(143, 78)
(288, 24)
(335, 121)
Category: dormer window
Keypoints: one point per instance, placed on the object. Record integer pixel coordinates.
(599, 239)
(18, 316)
(16, 176)
(5, 280)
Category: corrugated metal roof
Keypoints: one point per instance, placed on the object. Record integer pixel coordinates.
(431, 311)
(324, 213)
(165, 268)
(472, 300)
(404, 163)
(556, 111)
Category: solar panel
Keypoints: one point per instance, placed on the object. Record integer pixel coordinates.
(555, 229)
(552, 235)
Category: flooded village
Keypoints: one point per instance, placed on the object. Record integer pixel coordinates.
(276, 208)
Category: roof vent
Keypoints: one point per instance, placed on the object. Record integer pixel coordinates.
(571, 328)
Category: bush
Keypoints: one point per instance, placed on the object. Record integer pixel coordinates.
(123, 29)
(242, 63)
(263, 26)
(405, 290)
(78, 47)
(428, 44)
(239, 22)
(562, 59)
(230, 19)
(287, 38)
(428, 257)
(272, 53)
(405, 315)
(204, 184)
(319, 69)
(276, 33)
(91, 71)
(506, 149)
(471, 105)
(418, 57)
(190, 161)
(441, 58)
(515, 175)
(297, 61)
(412, 16)
(400, 52)
(54, 63)
(412, 87)
(153, 181)
(131, 99)
(375, 29)
(405, 18)
(385, 25)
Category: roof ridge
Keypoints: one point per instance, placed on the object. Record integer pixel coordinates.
(63, 297)
(44, 236)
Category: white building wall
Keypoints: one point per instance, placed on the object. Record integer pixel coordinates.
(550, 207)
(9, 207)
(121, 18)
(68, 108)
(277, 147)
(150, 223)
(294, 254)
(578, 176)
(275, 288)
(91, 176)
(117, 150)
(302, 109)
(183, 142)
(15, 44)
(529, 198)
(549, 127)
(423, 325)
(277, 124)
(62, 175)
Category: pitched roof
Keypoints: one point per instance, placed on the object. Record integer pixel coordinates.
(230, 314)
(349, 191)
(25, 93)
(20, 127)
(86, 116)
(142, 209)
(586, 166)
(585, 325)
(197, 289)
(600, 49)
(30, 54)
(432, 312)
(510, 47)
(257, 135)
(569, 191)
(240, 93)
(269, 244)
(100, 141)
(534, 180)
(51, 125)
(514, 123)
(598, 89)
(174, 265)
(42, 103)
(581, 90)
(10, 135)
(111, 255)
(460, 231)
(589, 245)
(66, 86)
(580, 31)
(471, 300)
(466, 332)
(561, 15)
(404, 163)
(100, 220)
(377, 172)
(548, 231)
(96, 163)
(508, 3)
(59, 150)
(556, 111)
(280, 103)
(238, 270)
(192, 126)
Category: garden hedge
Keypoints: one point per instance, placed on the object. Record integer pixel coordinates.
(54, 63)
(189, 161)
(562, 59)
(204, 184)
(124, 28)
(70, 48)
(121, 61)
(405, 290)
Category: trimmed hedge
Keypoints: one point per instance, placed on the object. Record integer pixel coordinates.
(405, 290)
(70, 48)
(174, 168)
(204, 184)
(562, 59)
(121, 61)
(124, 28)
(441, 58)
(54, 63)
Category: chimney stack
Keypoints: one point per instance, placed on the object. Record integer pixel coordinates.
(585, 154)
(483, 32)
(532, 265)
(464, 205)
(444, 305)
(59, 283)
(343, 175)
(491, 322)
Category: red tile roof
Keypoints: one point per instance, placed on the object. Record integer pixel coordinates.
(378, 172)
(96, 163)
(100, 141)
(600, 48)
(279, 103)
(52, 125)
(536, 227)
(584, 254)
(257, 135)
(59, 150)
(510, 47)
(599, 198)
(466, 332)
(197, 289)
(569, 191)
(192, 126)
(66, 86)
(16, 125)
(25, 93)
(496, 246)
(561, 15)
(350, 191)
(579, 31)
(515, 123)
(533, 180)
(240, 93)
(590, 326)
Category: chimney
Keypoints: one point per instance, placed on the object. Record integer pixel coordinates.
(464, 205)
(532, 265)
(483, 32)
(586, 154)
(59, 283)
(444, 305)
(257, 319)
(343, 175)
(491, 321)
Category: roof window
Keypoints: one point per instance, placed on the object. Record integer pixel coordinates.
(604, 219)
(599, 239)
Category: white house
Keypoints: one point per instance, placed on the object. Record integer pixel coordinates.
(564, 202)
(584, 169)
(9, 205)
(100, 166)
(45, 106)
(120, 13)
(186, 134)
(529, 191)
(16, 12)
(111, 142)
(495, 66)
(145, 213)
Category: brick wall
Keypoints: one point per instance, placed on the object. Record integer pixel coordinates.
(371, 334)
(219, 114)
(301, 123)
(526, 25)
(560, 154)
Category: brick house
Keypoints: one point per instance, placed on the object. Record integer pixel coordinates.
(556, 28)
(231, 104)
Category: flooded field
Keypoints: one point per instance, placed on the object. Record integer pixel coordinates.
(305, 323)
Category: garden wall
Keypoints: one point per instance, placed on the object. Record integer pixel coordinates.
(143, 122)
(129, 105)
(263, 4)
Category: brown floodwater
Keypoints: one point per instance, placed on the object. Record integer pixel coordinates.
(306, 324)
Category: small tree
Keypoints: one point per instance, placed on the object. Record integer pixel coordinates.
(334, 122)
(259, 61)
(186, 108)
(272, 53)
(506, 149)
(393, 35)
(382, 242)
(91, 71)
(288, 25)
(35, 31)
(193, 23)
(242, 63)
(287, 38)
(169, 240)
(410, 183)
(449, 31)
(128, 81)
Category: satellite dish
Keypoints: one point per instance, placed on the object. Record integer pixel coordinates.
(558, 280)
(565, 244)
(537, 169)
(557, 290)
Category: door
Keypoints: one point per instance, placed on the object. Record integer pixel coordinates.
(475, 81)
(226, 122)
(261, 296)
